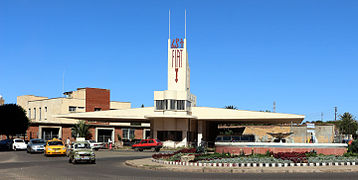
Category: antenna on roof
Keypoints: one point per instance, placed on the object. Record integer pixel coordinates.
(185, 24)
(169, 23)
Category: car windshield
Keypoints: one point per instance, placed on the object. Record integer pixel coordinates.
(38, 141)
(92, 141)
(54, 143)
(82, 146)
(19, 140)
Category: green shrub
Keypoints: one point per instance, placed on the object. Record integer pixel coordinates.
(353, 147)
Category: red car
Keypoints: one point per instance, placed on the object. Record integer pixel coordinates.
(148, 144)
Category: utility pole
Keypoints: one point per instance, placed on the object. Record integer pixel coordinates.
(335, 113)
(274, 106)
(322, 116)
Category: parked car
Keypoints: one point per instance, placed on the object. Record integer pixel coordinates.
(55, 147)
(36, 145)
(95, 145)
(148, 144)
(18, 144)
(81, 152)
(6, 144)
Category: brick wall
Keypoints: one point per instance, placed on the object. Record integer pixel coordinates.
(97, 98)
(32, 132)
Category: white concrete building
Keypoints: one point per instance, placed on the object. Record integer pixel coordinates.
(175, 116)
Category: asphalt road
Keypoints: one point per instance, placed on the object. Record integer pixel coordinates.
(110, 165)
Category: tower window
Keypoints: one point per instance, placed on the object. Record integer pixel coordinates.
(181, 105)
(159, 104)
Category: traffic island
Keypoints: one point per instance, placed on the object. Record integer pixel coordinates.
(151, 164)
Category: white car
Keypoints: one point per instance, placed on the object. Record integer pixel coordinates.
(18, 144)
(95, 145)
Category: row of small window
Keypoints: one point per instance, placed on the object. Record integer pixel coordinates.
(172, 104)
(34, 115)
(73, 108)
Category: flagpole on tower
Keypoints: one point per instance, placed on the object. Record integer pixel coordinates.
(185, 24)
(169, 23)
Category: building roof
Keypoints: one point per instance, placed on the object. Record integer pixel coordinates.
(200, 113)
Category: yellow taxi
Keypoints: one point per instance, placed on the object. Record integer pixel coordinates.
(55, 147)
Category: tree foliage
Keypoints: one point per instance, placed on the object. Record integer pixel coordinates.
(230, 107)
(13, 120)
(347, 124)
(81, 129)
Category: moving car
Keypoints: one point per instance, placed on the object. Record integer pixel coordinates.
(81, 152)
(148, 144)
(18, 144)
(55, 147)
(95, 145)
(36, 145)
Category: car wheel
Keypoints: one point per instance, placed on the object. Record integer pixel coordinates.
(69, 160)
(157, 149)
(140, 149)
(73, 161)
(14, 148)
(93, 162)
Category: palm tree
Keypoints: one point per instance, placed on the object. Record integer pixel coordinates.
(230, 107)
(347, 124)
(81, 129)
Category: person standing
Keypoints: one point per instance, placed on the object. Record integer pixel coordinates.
(68, 142)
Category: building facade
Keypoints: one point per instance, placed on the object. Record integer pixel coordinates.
(175, 118)
(45, 124)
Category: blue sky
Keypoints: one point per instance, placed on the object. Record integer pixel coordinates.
(301, 54)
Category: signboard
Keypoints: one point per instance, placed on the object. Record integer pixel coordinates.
(177, 46)
(310, 126)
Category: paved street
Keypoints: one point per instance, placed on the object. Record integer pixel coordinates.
(110, 165)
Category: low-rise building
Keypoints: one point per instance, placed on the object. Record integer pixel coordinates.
(42, 112)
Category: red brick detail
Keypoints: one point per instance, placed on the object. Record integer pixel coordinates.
(138, 134)
(32, 132)
(263, 150)
(67, 133)
(117, 131)
(97, 98)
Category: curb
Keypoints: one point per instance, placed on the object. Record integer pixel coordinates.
(240, 167)
(253, 164)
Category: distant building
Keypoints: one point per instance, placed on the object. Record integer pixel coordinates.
(42, 112)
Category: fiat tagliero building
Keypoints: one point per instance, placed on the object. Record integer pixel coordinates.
(175, 118)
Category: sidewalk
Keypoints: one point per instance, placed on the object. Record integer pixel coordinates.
(147, 163)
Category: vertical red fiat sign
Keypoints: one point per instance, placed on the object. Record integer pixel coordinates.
(177, 55)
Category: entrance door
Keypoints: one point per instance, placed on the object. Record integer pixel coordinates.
(104, 135)
(50, 133)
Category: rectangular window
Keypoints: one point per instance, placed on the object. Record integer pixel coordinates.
(80, 107)
(172, 104)
(35, 113)
(97, 109)
(72, 108)
(40, 114)
(188, 105)
(45, 113)
(29, 115)
(181, 105)
(128, 133)
(159, 105)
